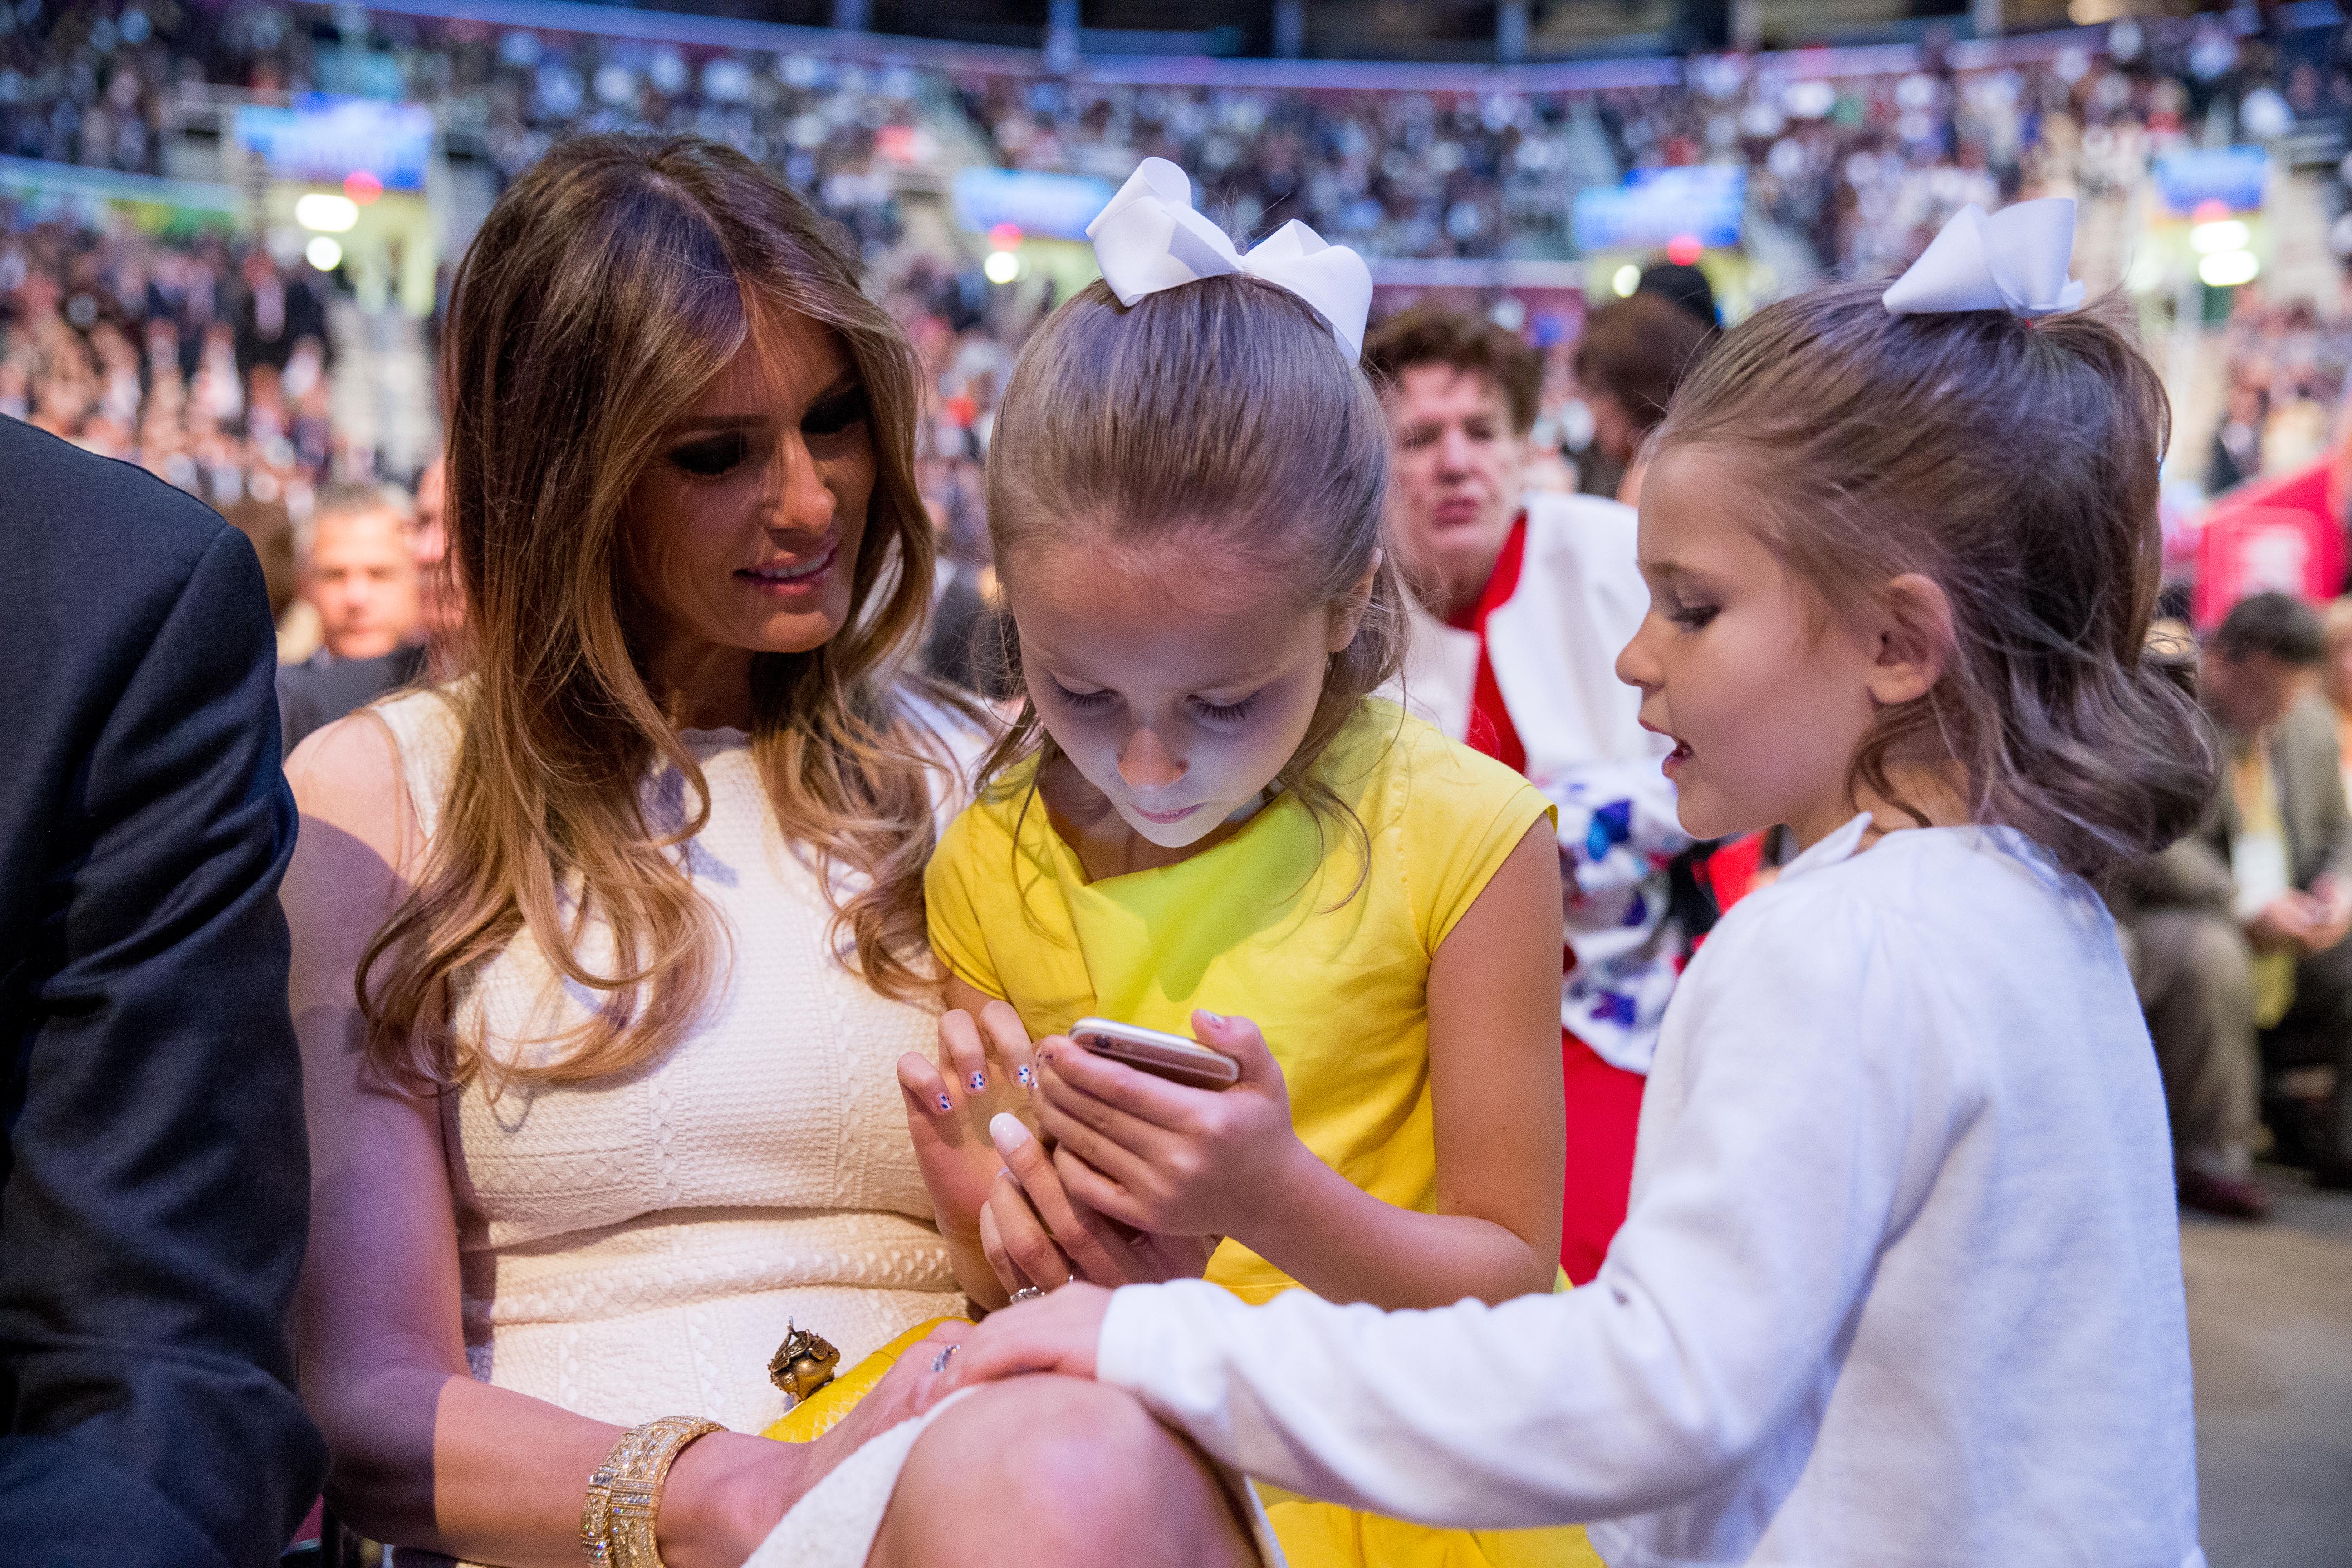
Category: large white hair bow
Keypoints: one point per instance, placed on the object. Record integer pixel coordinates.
(2014, 261)
(1150, 238)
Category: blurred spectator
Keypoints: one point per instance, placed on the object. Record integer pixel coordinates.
(2308, 1057)
(1525, 600)
(362, 575)
(2239, 931)
(2237, 441)
(277, 315)
(126, 345)
(1685, 286)
(2336, 677)
(1635, 353)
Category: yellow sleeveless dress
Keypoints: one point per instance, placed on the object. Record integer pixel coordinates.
(1291, 923)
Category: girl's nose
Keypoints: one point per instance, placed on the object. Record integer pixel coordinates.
(1636, 664)
(1145, 764)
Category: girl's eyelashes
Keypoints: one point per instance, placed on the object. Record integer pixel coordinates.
(1079, 702)
(1214, 712)
(711, 455)
(1225, 712)
(835, 414)
(1693, 617)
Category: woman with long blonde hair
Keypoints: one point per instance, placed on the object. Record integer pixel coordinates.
(603, 952)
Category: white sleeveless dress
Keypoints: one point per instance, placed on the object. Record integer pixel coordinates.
(635, 1247)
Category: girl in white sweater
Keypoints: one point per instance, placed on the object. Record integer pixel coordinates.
(1901, 1280)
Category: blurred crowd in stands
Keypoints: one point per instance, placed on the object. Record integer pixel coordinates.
(1861, 165)
(205, 361)
(2287, 368)
(209, 360)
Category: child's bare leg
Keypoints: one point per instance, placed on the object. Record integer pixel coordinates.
(1044, 1472)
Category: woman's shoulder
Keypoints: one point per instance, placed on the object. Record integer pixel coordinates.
(427, 719)
(347, 776)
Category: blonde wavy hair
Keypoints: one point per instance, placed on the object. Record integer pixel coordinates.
(610, 283)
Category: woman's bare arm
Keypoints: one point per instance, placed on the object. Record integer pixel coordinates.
(422, 1454)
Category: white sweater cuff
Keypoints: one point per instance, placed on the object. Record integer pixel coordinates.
(1141, 1329)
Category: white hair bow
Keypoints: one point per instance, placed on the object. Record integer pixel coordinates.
(2014, 261)
(1150, 238)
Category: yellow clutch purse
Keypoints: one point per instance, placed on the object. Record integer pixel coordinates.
(823, 1408)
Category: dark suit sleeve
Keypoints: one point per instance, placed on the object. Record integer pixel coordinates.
(154, 1218)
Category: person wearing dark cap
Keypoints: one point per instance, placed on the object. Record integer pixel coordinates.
(1685, 285)
(1634, 352)
(154, 1185)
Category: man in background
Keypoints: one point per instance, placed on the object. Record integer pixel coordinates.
(1524, 600)
(154, 1184)
(363, 576)
(2241, 928)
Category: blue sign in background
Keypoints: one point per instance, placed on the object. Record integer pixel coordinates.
(2235, 176)
(322, 140)
(1655, 205)
(1058, 206)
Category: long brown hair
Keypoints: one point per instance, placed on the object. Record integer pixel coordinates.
(606, 287)
(2013, 463)
(1223, 409)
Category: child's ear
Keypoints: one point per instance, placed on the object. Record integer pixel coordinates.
(1914, 640)
(1349, 612)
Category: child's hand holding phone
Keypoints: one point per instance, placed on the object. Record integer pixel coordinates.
(1160, 1156)
(1037, 1235)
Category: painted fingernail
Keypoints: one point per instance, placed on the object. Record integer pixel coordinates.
(1005, 1130)
(945, 1103)
(1027, 1074)
(978, 1081)
(1213, 1017)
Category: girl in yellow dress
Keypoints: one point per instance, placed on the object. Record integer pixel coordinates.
(1204, 823)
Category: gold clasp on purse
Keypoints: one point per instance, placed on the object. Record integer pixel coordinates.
(803, 1363)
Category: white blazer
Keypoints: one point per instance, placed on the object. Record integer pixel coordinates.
(1554, 646)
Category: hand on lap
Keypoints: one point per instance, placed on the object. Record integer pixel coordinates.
(1054, 1334)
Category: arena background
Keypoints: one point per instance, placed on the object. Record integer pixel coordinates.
(227, 231)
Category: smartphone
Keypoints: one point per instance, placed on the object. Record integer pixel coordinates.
(1172, 1056)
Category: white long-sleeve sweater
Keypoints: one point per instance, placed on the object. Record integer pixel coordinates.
(1900, 1285)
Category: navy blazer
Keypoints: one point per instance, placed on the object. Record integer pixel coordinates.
(154, 1188)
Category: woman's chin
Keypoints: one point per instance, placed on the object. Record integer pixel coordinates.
(796, 631)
